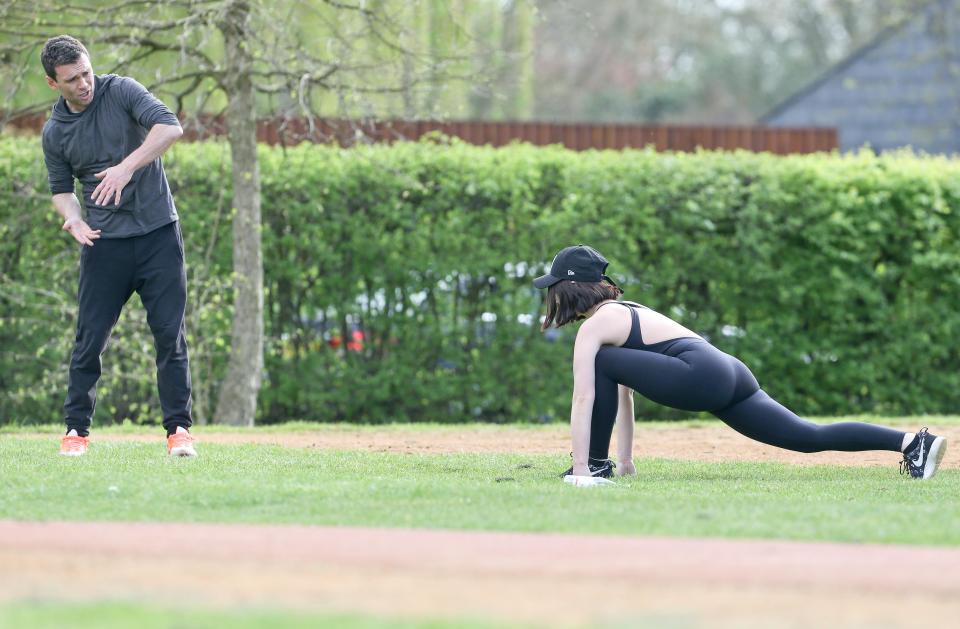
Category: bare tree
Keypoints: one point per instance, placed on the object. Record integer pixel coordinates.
(295, 57)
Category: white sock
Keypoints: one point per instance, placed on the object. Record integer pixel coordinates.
(907, 438)
(72, 433)
(182, 429)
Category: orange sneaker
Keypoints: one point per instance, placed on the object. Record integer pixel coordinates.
(73, 445)
(180, 443)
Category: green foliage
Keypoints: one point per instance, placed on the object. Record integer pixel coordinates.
(832, 277)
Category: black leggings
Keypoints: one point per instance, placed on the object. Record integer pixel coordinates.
(693, 375)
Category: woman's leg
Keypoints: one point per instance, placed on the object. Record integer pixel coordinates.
(605, 405)
(762, 418)
(697, 377)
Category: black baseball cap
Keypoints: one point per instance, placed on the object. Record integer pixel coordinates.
(579, 263)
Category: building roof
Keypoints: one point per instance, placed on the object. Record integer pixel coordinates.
(851, 59)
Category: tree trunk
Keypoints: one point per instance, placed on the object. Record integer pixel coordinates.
(237, 403)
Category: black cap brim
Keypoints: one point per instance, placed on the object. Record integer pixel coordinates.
(545, 281)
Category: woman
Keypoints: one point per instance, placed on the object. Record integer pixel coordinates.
(624, 347)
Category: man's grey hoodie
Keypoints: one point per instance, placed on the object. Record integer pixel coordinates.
(114, 124)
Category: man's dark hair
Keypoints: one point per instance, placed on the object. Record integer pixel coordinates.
(60, 51)
(567, 301)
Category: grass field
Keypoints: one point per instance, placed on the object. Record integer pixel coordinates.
(135, 481)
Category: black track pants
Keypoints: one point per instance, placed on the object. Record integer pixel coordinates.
(110, 272)
(693, 375)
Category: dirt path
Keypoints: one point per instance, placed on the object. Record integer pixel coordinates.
(699, 443)
(548, 580)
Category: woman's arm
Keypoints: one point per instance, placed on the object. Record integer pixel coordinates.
(625, 419)
(608, 326)
(581, 408)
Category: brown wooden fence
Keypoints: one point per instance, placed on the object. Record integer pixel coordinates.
(574, 136)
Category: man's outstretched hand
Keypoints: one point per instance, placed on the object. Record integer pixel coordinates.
(79, 229)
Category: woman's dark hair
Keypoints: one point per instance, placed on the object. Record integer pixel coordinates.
(568, 300)
(60, 51)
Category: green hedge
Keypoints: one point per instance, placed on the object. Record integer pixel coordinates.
(834, 278)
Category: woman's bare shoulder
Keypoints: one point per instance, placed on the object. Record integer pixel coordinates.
(609, 325)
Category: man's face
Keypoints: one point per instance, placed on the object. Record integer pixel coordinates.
(75, 83)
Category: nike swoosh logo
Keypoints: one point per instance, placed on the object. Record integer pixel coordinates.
(919, 458)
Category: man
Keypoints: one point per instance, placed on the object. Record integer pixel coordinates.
(109, 132)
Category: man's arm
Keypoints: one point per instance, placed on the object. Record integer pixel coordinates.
(69, 208)
(113, 179)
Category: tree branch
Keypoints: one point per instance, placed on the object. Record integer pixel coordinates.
(348, 7)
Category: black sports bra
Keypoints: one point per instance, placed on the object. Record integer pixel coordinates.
(635, 339)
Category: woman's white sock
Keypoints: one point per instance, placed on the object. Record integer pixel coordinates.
(907, 438)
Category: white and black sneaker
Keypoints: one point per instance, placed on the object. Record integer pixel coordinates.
(601, 468)
(922, 457)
